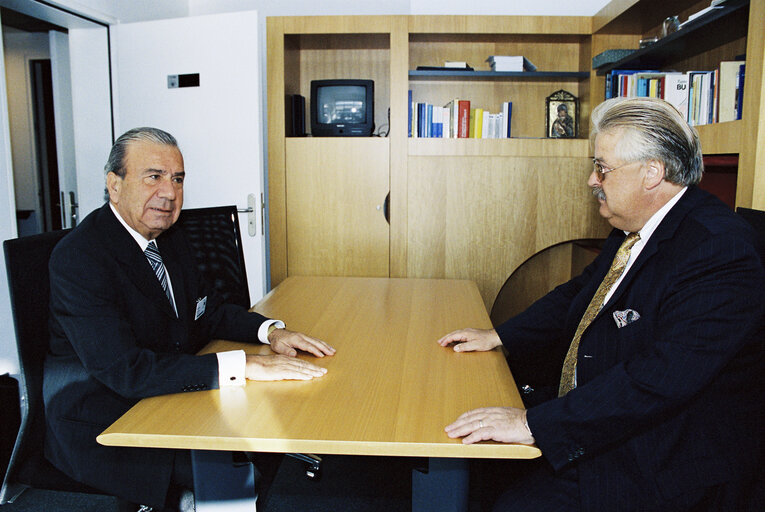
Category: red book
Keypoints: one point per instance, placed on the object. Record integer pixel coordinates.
(464, 119)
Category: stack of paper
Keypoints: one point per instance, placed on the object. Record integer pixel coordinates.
(510, 63)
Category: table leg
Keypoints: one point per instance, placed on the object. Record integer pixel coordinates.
(220, 485)
(443, 488)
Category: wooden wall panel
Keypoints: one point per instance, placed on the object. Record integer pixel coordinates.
(479, 217)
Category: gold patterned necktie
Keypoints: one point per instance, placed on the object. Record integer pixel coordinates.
(617, 267)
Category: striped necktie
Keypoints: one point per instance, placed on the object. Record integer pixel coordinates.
(152, 253)
(568, 374)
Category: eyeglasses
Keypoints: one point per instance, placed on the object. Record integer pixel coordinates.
(601, 171)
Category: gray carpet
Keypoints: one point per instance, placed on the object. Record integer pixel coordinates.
(348, 484)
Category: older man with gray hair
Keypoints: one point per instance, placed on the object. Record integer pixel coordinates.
(645, 374)
(129, 312)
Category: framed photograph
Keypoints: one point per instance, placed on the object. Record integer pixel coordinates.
(562, 121)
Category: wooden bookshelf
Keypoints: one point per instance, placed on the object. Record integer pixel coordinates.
(467, 208)
(721, 34)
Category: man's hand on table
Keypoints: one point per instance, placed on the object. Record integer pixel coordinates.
(503, 424)
(469, 340)
(279, 367)
(284, 365)
(288, 343)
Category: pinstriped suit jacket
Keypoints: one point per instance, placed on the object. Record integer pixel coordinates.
(670, 406)
(115, 339)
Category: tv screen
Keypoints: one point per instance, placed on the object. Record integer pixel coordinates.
(342, 108)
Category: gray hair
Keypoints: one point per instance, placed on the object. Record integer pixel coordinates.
(116, 161)
(653, 130)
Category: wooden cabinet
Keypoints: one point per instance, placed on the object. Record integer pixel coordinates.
(461, 208)
(336, 223)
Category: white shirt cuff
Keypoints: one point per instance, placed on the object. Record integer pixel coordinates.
(231, 368)
(263, 330)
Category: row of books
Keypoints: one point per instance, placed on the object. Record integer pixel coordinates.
(457, 119)
(703, 97)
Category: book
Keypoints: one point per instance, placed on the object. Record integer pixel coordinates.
(409, 116)
(729, 71)
(740, 95)
(471, 125)
(676, 91)
(478, 132)
(464, 119)
(456, 64)
(510, 63)
(507, 112)
(452, 120)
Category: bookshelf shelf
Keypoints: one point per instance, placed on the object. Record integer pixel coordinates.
(463, 75)
(513, 147)
(721, 138)
(692, 39)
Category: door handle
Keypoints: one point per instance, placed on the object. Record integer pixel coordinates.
(74, 207)
(386, 208)
(252, 221)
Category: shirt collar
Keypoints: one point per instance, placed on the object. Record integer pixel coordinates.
(140, 240)
(657, 217)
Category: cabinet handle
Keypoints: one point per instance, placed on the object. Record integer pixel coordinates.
(386, 208)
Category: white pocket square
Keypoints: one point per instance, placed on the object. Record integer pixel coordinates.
(626, 317)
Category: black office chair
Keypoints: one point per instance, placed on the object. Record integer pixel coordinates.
(26, 261)
(216, 240)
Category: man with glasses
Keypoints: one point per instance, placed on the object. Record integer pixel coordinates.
(647, 389)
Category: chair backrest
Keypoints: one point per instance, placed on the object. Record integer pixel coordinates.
(26, 261)
(215, 238)
(756, 218)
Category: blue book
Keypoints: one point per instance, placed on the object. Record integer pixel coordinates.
(421, 120)
(642, 87)
(509, 117)
(740, 98)
(429, 123)
(410, 114)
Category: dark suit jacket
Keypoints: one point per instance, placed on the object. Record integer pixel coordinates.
(671, 403)
(115, 340)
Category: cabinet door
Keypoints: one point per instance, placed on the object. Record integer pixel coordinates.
(336, 189)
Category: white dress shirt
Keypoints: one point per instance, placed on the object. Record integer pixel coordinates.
(645, 234)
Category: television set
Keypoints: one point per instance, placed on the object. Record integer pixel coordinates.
(342, 108)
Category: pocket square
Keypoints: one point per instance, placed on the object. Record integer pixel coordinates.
(626, 317)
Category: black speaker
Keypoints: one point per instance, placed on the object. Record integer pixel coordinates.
(295, 109)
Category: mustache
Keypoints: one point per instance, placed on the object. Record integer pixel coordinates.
(598, 192)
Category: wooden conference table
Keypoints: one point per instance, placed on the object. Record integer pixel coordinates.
(390, 389)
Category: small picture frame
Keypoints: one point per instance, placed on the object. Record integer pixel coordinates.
(562, 115)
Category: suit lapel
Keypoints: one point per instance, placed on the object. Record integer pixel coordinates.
(124, 249)
(665, 231)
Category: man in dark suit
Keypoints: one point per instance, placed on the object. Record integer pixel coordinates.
(645, 372)
(129, 311)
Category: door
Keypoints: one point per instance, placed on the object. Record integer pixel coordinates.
(64, 127)
(197, 78)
